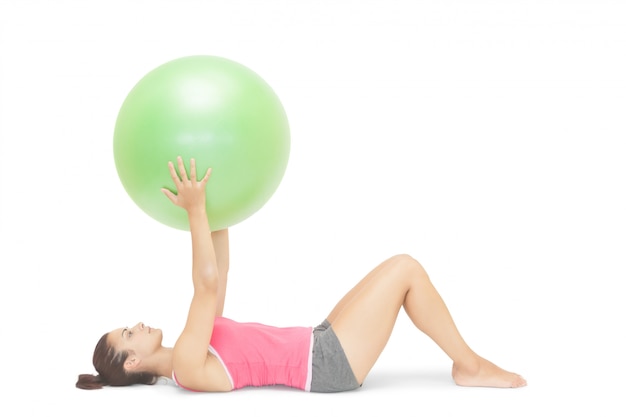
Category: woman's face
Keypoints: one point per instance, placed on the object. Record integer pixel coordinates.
(140, 339)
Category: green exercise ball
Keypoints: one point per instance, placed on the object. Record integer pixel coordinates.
(214, 110)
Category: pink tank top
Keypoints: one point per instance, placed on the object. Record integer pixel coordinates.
(256, 354)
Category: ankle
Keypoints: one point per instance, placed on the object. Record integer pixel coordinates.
(469, 365)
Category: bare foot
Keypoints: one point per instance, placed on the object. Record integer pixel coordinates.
(482, 373)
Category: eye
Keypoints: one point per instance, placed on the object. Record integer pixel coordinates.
(130, 334)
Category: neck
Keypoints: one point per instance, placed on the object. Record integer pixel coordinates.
(161, 362)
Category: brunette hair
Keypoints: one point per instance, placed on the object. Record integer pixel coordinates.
(110, 366)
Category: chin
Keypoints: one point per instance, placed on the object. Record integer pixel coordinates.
(158, 333)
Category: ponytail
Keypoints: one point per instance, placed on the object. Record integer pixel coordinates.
(110, 365)
(88, 381)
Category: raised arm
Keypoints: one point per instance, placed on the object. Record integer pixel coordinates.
(222, 254)
(190, 350)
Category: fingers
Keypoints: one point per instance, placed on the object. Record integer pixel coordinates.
(173, 198)
(192, 170)
(181, 169)
(181, 176)
(173, 173)
(205, 179)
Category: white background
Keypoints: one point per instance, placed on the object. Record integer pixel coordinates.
(485, 138)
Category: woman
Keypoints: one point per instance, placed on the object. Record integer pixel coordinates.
(214, 353)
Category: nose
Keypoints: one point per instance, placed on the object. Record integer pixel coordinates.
(139, 326)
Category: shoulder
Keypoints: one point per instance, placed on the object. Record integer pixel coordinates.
(211, 377)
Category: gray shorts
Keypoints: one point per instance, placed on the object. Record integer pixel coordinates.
(331, 371)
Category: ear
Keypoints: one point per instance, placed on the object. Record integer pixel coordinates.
(132, 362)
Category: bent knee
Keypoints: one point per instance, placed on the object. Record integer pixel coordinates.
(406, 261)
(409, 264)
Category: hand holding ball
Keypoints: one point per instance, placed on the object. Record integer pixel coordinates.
(214, 110)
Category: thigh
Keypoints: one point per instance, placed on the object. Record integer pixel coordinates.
(364, 324)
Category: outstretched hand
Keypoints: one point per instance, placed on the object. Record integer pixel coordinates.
(190, 192)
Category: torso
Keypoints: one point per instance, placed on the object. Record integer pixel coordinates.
(217, 376)
(253, 354)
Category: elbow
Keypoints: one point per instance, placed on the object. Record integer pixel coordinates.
(206, 280)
